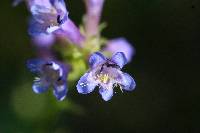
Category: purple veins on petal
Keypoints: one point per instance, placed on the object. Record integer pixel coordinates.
(120, 45)
(49, 73)
(106, 74)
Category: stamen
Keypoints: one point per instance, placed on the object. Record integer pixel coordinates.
(121, 89)
(117, 85)
(104, 78)
(37, 79)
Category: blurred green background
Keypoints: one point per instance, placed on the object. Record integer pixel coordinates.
(165, 34)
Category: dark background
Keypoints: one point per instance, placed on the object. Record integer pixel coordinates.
(166, 66)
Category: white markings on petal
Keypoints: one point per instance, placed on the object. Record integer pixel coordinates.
(62, 98)
(35, 89)
(61, 88)
(83, 84)
(86, 84)
(60, 72)
(51, 29)
(55, 66)
(60, 91)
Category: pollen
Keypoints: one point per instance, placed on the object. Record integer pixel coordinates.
(104, 78)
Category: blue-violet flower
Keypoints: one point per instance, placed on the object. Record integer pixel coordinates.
(48, 15)
(106, 73)
(49, 73)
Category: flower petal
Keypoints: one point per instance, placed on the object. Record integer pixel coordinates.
(44, 40)
(44, 3)
(59, 5)
(48, 16)
(106, 93)
(119, 58)
(40, 85)
(96, 59)
(60, 89)
(36, 28)
(35, 65)
(127, 82)
(85, 85)
(51, 29)
(120, 45)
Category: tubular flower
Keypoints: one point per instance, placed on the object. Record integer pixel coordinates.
(47, 16)
(49, 73)
(94, 10)
(51, 16)
(106, 74)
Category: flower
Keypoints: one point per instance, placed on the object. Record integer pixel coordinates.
(94, 6)
(49, 73)
(106, 73)
(47, 15)
(120, 43)
(93, 15)
(51, 16)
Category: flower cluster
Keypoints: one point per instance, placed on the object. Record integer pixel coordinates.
(50, 24)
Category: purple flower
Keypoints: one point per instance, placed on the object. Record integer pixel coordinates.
(122, 45)
(51, 16)
(94, 7)
(94, 10)
(47, 16)
(106, 73)
(49, 73)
